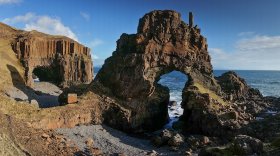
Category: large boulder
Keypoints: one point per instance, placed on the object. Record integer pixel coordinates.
(235, 87)
(246, 145)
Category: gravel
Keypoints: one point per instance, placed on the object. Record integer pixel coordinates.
(112, 141)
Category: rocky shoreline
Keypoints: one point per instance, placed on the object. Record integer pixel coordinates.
(123, 111)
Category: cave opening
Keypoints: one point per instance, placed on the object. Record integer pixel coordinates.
(47, 74)
(46, 80)
(175, 81)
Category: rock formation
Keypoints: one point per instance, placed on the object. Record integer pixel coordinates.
(134, 101)
(60, 59)
(163, 43)
(191, 19)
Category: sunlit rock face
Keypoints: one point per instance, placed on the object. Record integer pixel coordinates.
(163, 43)
(67, 61)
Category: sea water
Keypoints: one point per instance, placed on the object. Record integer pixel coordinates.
(268, 82)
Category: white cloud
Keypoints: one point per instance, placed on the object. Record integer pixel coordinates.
(86, 16)
(20, 19)
(43, 23)
(259, 42)
(259, 53)
(246, 34)
(3, 2)
(95, 57)
(96, 42)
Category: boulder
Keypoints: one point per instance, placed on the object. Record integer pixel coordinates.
(72, 98)
(247, 145)
(198, 141)
(67, 98)
(176, 140)
(235, 87)
(166, 135)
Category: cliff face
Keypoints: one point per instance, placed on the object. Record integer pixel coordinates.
(163, 43)
(68, 61)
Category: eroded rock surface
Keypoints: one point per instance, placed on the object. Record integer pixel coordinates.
(54, 58)
(163, 43)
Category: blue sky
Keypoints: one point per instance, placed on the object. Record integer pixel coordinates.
(240, 34)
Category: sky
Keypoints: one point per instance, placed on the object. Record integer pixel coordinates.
(241, 34)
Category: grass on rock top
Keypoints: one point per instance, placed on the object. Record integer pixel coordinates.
(212, 94)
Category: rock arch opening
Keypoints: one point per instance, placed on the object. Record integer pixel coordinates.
(175, 81)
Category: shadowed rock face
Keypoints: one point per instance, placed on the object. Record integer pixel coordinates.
(163, 43)
(70, 60)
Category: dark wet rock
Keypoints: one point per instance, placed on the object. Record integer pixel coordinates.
(246, 145)
(166, 135)
(172, 103)
(234, 86)
(215, 151)
(241, 145)
(157, 141)
(197, 141)
(176, 140)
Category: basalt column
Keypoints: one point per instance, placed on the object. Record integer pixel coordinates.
(71, 60)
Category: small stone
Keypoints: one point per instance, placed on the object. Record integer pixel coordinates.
(89, 142)
(152, 153)
(72, 98)
(44, 135)
(205, 140)
(34, 103)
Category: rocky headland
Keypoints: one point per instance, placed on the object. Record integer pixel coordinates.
(222, 115)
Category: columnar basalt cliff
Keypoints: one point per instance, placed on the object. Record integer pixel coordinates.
(163, 43)
(62, 60)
